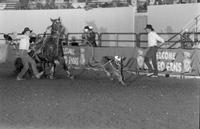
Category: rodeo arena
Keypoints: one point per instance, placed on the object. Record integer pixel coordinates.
(99, 64)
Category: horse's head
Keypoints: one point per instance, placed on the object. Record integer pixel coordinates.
(56, 26)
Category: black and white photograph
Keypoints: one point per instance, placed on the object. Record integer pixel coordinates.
(99, 64)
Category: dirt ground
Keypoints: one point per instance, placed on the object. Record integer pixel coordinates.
(92, 101)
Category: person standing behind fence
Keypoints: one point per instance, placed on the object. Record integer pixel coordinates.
(92, 36)
(153, 37)
(85, 36)
(24, 44)
(89, 37)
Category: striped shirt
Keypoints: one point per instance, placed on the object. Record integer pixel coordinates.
(24, 43)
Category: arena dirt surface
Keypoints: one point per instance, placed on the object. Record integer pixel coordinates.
(92, 101)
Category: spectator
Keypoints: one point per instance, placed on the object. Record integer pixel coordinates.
(92, 37)
(24, 4)
(85, 36)
(89, 37)
(158, 2)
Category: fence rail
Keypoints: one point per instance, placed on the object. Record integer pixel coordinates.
(172, 40)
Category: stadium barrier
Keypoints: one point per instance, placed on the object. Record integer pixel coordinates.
(119, 39)
(176, 61)
(187, 40)
(170, 61)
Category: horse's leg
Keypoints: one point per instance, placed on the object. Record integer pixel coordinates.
(44, 68)
(66, 68)
(52, 70)
(122, 68)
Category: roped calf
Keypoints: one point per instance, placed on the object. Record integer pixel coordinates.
(112, 66)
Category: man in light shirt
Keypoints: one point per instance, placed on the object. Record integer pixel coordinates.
(24, 44)
(153, 39)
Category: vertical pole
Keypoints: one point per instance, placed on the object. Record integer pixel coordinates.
(196, 29)
(138, 40)
(117, 38)
(66, 39)
(100, 42)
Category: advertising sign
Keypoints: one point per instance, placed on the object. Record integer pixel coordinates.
(74, 56)
(174, 61)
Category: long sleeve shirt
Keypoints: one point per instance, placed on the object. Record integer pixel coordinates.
(153, 37)
(24, 43)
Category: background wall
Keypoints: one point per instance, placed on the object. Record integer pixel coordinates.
(140, 22)
(171, 18)
(112, 20)
(103, 20)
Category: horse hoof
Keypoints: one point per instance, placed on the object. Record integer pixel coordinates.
(122, 83)
(71, 77)
(111, 79)
(51, 77)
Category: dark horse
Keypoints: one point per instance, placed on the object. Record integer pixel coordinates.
(52, 48)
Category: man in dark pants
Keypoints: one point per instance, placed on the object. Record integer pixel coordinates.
(153, 37)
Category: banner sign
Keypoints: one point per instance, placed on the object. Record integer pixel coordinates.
(179, 61)
(174, 61)
(74, 56)
(168, 60)
(3, 52)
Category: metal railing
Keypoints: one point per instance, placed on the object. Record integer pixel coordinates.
(190, 27)
(118, 39)
(172, 40)
(78, 38)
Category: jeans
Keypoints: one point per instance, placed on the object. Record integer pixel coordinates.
(151, 55)
(26, 60)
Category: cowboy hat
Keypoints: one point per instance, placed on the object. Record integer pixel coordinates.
(149, 26)
(90, 27)
(25, 30)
